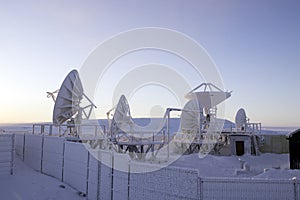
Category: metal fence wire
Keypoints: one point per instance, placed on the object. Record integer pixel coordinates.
(73, 164)
(7, 153)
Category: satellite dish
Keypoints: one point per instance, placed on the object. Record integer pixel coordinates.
(190, 116)
(122, 117)
(68, 100)
(240, 119)
(210, 96)
(122, 121)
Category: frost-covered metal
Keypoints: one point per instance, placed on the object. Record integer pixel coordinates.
(241, 119)
(199, 128)
(68, 100)
(127, 136)
(7, 151)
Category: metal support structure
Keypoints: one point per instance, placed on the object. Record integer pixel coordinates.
(70, 130)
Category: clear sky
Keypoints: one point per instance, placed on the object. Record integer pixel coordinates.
(255, 45)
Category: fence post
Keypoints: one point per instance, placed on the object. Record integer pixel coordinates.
(87, 174)
(98, 178)
(294, 179)
(42, 153)
(112, 177)
(128, 181)
(12, 154)
(200, 186)
(50, 129)
(23, 150)
(63, 162)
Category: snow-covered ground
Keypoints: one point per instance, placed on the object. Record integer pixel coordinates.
(26, 183)
(29, 184)
(263, 166)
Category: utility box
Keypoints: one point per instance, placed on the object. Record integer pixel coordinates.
(294, 149)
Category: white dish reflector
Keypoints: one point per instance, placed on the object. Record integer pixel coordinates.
(210, 96)
(240, 119)
(190, 117)
(68, 99)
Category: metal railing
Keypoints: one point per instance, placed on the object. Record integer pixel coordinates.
(72, 130)
(250, 128)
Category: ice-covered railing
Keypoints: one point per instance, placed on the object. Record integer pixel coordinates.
(249, 128)
(82, 131)
(139, 141)
(243, 124)
(253, 127)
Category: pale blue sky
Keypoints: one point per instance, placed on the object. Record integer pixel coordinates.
(255, 45)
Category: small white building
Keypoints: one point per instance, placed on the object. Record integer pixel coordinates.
(240, 144)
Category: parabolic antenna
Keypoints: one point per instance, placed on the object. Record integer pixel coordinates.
(191, 114)
(122, 120)
(68, 100)
(122, 117)
(210, 96)
(240, 119)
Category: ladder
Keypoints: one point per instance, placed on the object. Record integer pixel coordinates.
(255, 145)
